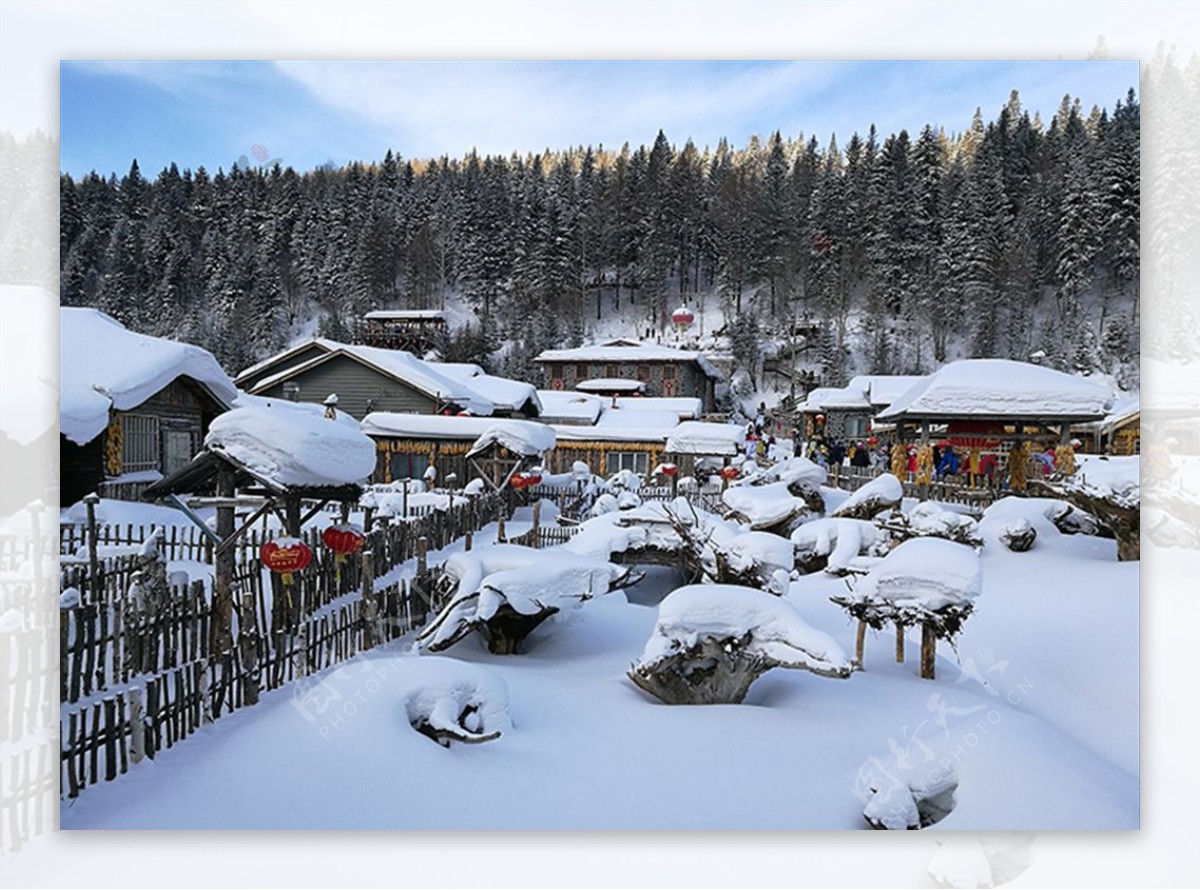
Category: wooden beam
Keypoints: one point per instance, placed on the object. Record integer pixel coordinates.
(228, 542)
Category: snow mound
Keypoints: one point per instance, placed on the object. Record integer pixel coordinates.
(105, 366)
(293, 445)
(879, 494)
(793, 470)
(763, 505)
(837, 542)
(1114, 478)
(452, 700)
(775, 629)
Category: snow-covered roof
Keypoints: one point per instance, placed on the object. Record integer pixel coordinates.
(395, 363)
(633, 431)
(630, 351)
(106, 366)
(522, 437)
(826, 396)
(684, 407)
(405, 315)
(29, 370)
(460, 371)
(571, 407)
(610, 384)
(698, 437)
(1002, 389)
(1122, 410)
(882, 390)
(658, 420)
(503, 393)
(387, 424)
(293, 444)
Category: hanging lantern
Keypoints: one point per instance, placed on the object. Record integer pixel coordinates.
(669, 470)
(519, 480)
(728, 473)
(682, 318)
(286, 556)
(820, 418)
(342, 540)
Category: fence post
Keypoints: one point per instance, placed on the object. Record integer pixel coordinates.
(422, 556)
(537, 523)
(206, 710)
(302, 650)
(370, 609)
(93, 559)
(137, 726)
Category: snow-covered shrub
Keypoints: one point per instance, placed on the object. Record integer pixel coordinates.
(454, 701)
(712, 641)
(931, 520)
(836, 545)
(1018, 536)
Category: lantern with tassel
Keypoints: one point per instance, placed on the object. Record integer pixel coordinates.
(343, 540)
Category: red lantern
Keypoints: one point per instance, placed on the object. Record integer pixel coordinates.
(285, 556)
(343, 539)
(820, 420)
(728, 473)
(670, 470)
(518, 481)
(683, 316)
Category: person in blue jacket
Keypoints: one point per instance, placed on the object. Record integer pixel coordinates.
(949, 463)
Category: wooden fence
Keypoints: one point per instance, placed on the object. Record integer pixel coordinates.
(951, 490)
(136, 677)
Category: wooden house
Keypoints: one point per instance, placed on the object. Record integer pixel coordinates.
(133, 408)
(664, 371)
(1120, 432)
(412, 330)
(847, 413)
(365, 379)
(407, 445)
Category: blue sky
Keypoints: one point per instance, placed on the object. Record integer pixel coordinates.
(307, 113)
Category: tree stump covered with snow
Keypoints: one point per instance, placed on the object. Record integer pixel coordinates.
(452, 701)
(506, 591)
(926, 582)
(1018, 536)
(880, 494)
(1109, 489)
(712, 641)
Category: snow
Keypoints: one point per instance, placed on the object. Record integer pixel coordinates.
(924, 573)
(503, 393)
(436, 691)
(293, 444)
(521, 437)
(636, 429)
(610, 384)
(106, 367)
(683, 407)
(1116, 478)
(763, 505)
(721, 611)
(386, 424)
(699, 437)
(998, 388)
(842, 540)
(883, 489)
(793, 471)
(404, 315)
(559, 406)
(617, 351)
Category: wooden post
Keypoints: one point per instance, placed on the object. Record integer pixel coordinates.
(93, 559)
(859, 642)
(223, 569)
(291, 511)
(928, 650)
(500, 522)
(422, 556)
(137, 726)
(404, 498)
(899, 643)
(537, 523)
(302, 650)
(467, 541)
(370, 610)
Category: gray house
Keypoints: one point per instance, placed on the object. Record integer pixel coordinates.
(365, 380)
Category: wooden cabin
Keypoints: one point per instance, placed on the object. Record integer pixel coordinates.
(133, 408)
(664, 371)
(418, 331)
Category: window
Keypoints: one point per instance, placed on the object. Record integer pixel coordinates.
(409, 466)
(669, 372)
(291, 391)
(856, 427)
(611, 372)
(139, 442)
(637, 461)
(581, 372)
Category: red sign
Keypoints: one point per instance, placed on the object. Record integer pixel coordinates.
(343, 539)
(291, 556)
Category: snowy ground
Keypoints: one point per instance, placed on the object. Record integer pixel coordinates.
(1038, 717)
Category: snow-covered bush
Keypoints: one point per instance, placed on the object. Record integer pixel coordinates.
(931, 520)
(836, 545)
(1018, 536)
(453, 701)
(712, 641)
